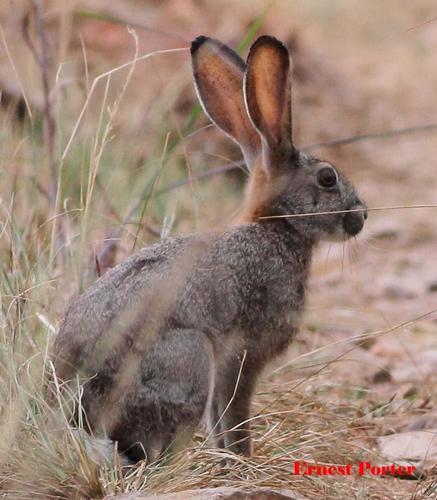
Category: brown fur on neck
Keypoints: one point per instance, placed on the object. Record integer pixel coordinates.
(260, 191)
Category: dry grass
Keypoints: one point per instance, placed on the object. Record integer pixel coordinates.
(46, 459)
(121, 135)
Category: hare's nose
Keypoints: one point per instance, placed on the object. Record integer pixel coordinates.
(353, 221)
(359, 206)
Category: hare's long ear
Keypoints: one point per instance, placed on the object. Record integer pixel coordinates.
(218, 77)
(267, 91)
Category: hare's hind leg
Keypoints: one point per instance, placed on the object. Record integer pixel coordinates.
(170, 396)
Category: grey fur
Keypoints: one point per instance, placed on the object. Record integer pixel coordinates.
(184, 327)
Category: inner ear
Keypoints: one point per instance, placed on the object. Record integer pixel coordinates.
(267, 90)
(218, 76)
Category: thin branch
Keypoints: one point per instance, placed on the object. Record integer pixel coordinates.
(104, 16)
(372, 136)
(212, 172)
(107, 253)
(421, 25)
(364, 337)
(115, 233)
(357, 340)
(99, 145)
(311, 214)
(337, 142)
(152, 189)
(49, 122)
(49, 126)
(25, 32)
(105, 75)
(14, 69)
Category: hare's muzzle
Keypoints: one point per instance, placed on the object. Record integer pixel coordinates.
(353, 221)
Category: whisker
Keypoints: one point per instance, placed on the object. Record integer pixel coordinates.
(327, 256)
(353, 253)
(373, 242)
(342, 260)
(349, 259)
(357, 246)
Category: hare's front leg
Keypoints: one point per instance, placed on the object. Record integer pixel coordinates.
(235, 382)
(214, 421)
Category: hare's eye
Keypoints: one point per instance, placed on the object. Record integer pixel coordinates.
(327, 177)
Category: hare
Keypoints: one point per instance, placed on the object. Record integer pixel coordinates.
(180, 331)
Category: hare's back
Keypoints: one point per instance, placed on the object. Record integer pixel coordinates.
(118, 300)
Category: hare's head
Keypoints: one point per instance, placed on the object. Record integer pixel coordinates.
(252, 104)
